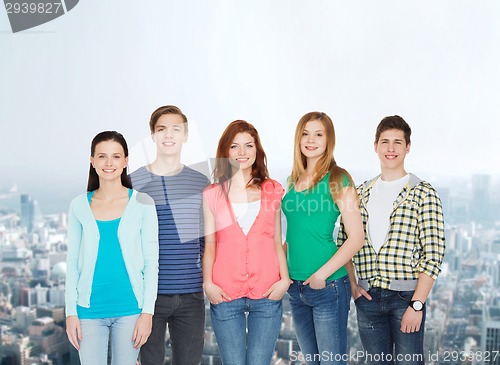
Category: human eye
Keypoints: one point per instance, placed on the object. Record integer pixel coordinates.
(234, 146)
(304, 133)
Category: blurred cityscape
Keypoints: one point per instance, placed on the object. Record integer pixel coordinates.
(463, 319)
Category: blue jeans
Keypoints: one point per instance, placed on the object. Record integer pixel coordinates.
(320, 319)
(95, 340)
(185, 316)
(379, 322)
(230, 321)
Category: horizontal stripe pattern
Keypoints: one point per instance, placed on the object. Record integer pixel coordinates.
(178, 201)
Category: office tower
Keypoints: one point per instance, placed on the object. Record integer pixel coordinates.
(481, 198)
(490, 337)
(27, 212)
(30, 213)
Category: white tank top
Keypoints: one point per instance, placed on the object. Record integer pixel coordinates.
(245, 214)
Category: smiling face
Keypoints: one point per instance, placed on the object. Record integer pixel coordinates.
(313, 142)
(109, 160)
(243, 150)
(169, 134)
(392, 149)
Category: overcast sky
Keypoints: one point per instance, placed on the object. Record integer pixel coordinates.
(106, 66)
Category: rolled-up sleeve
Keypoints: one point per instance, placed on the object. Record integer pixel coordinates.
(431, 234)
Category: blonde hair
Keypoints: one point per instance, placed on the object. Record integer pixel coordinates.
(326, 163)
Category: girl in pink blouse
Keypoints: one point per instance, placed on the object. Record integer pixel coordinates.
(245, 273)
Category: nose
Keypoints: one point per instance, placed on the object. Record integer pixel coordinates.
(241, 151)
(310, 138)
(109, 162)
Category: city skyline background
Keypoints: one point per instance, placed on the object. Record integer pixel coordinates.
(104, 67)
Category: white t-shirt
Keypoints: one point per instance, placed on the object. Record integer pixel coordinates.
(245, 214)
(382, 196)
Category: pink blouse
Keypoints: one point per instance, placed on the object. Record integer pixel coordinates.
(245, 265)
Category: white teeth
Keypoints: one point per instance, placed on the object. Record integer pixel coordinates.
(108, 170)
(168, 143)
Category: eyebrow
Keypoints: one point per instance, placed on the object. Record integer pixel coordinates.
(165, 126)
(394, 139)
(243, 142)
(317, 130)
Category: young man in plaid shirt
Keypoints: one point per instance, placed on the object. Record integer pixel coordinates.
(402, 255)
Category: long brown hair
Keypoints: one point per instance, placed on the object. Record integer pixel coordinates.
(223, 170)
(93, 181)
(326, 163)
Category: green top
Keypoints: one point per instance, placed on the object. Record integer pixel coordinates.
(311, 216)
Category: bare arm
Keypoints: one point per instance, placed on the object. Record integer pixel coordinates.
(214, 293)
(412, 319)
(278, 289)
(349, 208)
(356, 290)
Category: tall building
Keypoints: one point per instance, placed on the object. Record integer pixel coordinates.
(481, 198)
(30, 213)
(27, 212)
(490, 337)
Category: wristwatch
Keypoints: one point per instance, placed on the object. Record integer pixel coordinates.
(417, 305)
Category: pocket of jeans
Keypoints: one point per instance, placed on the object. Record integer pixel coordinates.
(406, 295)
(357, 300)
(199, 296)
(274, 300)
(328, 284)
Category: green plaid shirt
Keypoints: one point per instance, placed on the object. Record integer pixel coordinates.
(415, 242)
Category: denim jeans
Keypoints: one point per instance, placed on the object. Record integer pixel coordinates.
(320, 320)
(379, 322)
(95, 339)
(185, 316)
(239, 346)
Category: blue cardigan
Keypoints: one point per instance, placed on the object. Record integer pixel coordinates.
(138, 236)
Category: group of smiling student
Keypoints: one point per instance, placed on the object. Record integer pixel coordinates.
(144, 248)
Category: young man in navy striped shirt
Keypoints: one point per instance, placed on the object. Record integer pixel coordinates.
(177, 192)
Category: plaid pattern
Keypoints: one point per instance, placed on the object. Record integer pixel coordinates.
(415, 242)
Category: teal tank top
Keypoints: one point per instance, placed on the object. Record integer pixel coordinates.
(112, 294)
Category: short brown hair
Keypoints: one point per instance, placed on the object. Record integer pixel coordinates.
(393, 122)
(166, 109)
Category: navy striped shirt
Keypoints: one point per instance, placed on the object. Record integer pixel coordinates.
(178, 200)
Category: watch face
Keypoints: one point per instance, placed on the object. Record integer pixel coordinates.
(417, 305)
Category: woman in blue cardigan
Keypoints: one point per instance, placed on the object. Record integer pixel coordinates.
(112, 262)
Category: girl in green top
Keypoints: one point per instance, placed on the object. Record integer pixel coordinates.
(318, 192)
